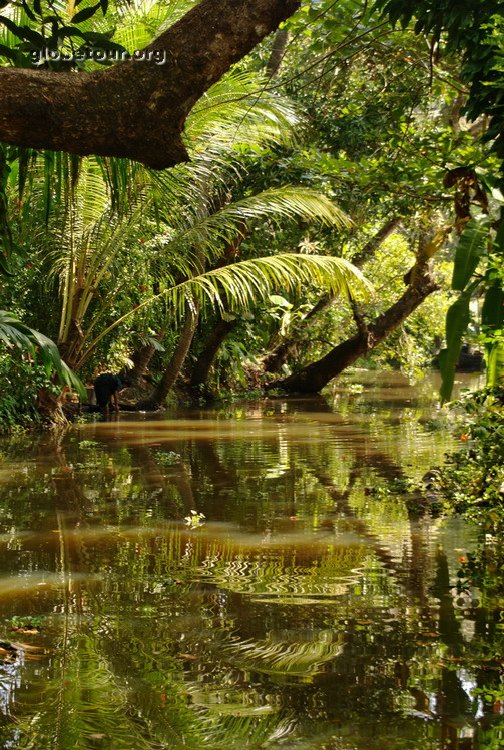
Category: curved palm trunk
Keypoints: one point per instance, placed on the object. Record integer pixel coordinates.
(141, 359)
(201, 369)
(223, 328)
(172, 370)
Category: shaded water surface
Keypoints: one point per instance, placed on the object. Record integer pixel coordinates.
(314, 606)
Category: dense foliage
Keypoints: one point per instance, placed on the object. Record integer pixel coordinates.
(342, 204)
(343, 137)
(472, 483)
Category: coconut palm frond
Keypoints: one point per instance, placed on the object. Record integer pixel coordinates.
(229, 118)
(141, 22)
(273, 205)
(237, 110)
(92, 196)
(243, 284)
(14, 333)
(240, 285)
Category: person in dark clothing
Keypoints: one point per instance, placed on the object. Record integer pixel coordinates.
(106, 388)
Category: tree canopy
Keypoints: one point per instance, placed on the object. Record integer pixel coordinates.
(182, 188)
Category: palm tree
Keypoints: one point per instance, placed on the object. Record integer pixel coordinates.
(90, 216)
(91, 230)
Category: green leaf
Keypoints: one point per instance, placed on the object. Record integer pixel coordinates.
(469, 250)
(279, 301)
(15, 333)
(85, 13)
(495, 364)
(5, 267)
(457, 320)
(492, 313)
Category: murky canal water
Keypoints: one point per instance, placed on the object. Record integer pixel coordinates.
(311, 607)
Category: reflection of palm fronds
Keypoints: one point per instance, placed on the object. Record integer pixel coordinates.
(291, 653)
(241, 732)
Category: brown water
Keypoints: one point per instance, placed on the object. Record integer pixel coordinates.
(312, 607)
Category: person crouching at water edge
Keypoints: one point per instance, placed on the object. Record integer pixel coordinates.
(106, 388)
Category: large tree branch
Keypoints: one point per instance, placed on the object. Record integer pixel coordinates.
(276, 357)
(137, 108)
(313, 377)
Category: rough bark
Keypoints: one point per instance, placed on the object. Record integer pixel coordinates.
(278, 355)
(201, 369)
(316, 375)
(141, 359)
(136, 108)
(277, 53)
(172, 370)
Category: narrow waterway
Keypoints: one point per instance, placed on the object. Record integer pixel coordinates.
(308, 602)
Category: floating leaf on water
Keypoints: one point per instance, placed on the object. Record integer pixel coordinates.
(194, 520)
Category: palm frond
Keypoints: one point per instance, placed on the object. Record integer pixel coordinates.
(140, 22)
(236, 110)
(240, 285)
(273, 205)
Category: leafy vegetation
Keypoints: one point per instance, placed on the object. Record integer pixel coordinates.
(337, 199)
(348, 145)
(472, 483)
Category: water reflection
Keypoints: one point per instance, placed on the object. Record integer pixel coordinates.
(315, 608)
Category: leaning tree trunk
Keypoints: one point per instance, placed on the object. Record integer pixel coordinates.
(223, 328)
(274, 360)
(201, 369)
(172, 370)
(141, 359)
(277, 53)
(315, 376)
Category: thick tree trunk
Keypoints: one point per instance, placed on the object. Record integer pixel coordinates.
(201, 369)
(141, 359)
(315, 376)
(172, 370)
(278, 356)
(137, 108)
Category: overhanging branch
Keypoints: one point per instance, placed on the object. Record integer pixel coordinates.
(136, 109)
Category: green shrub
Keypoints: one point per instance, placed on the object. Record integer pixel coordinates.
(20, 382)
